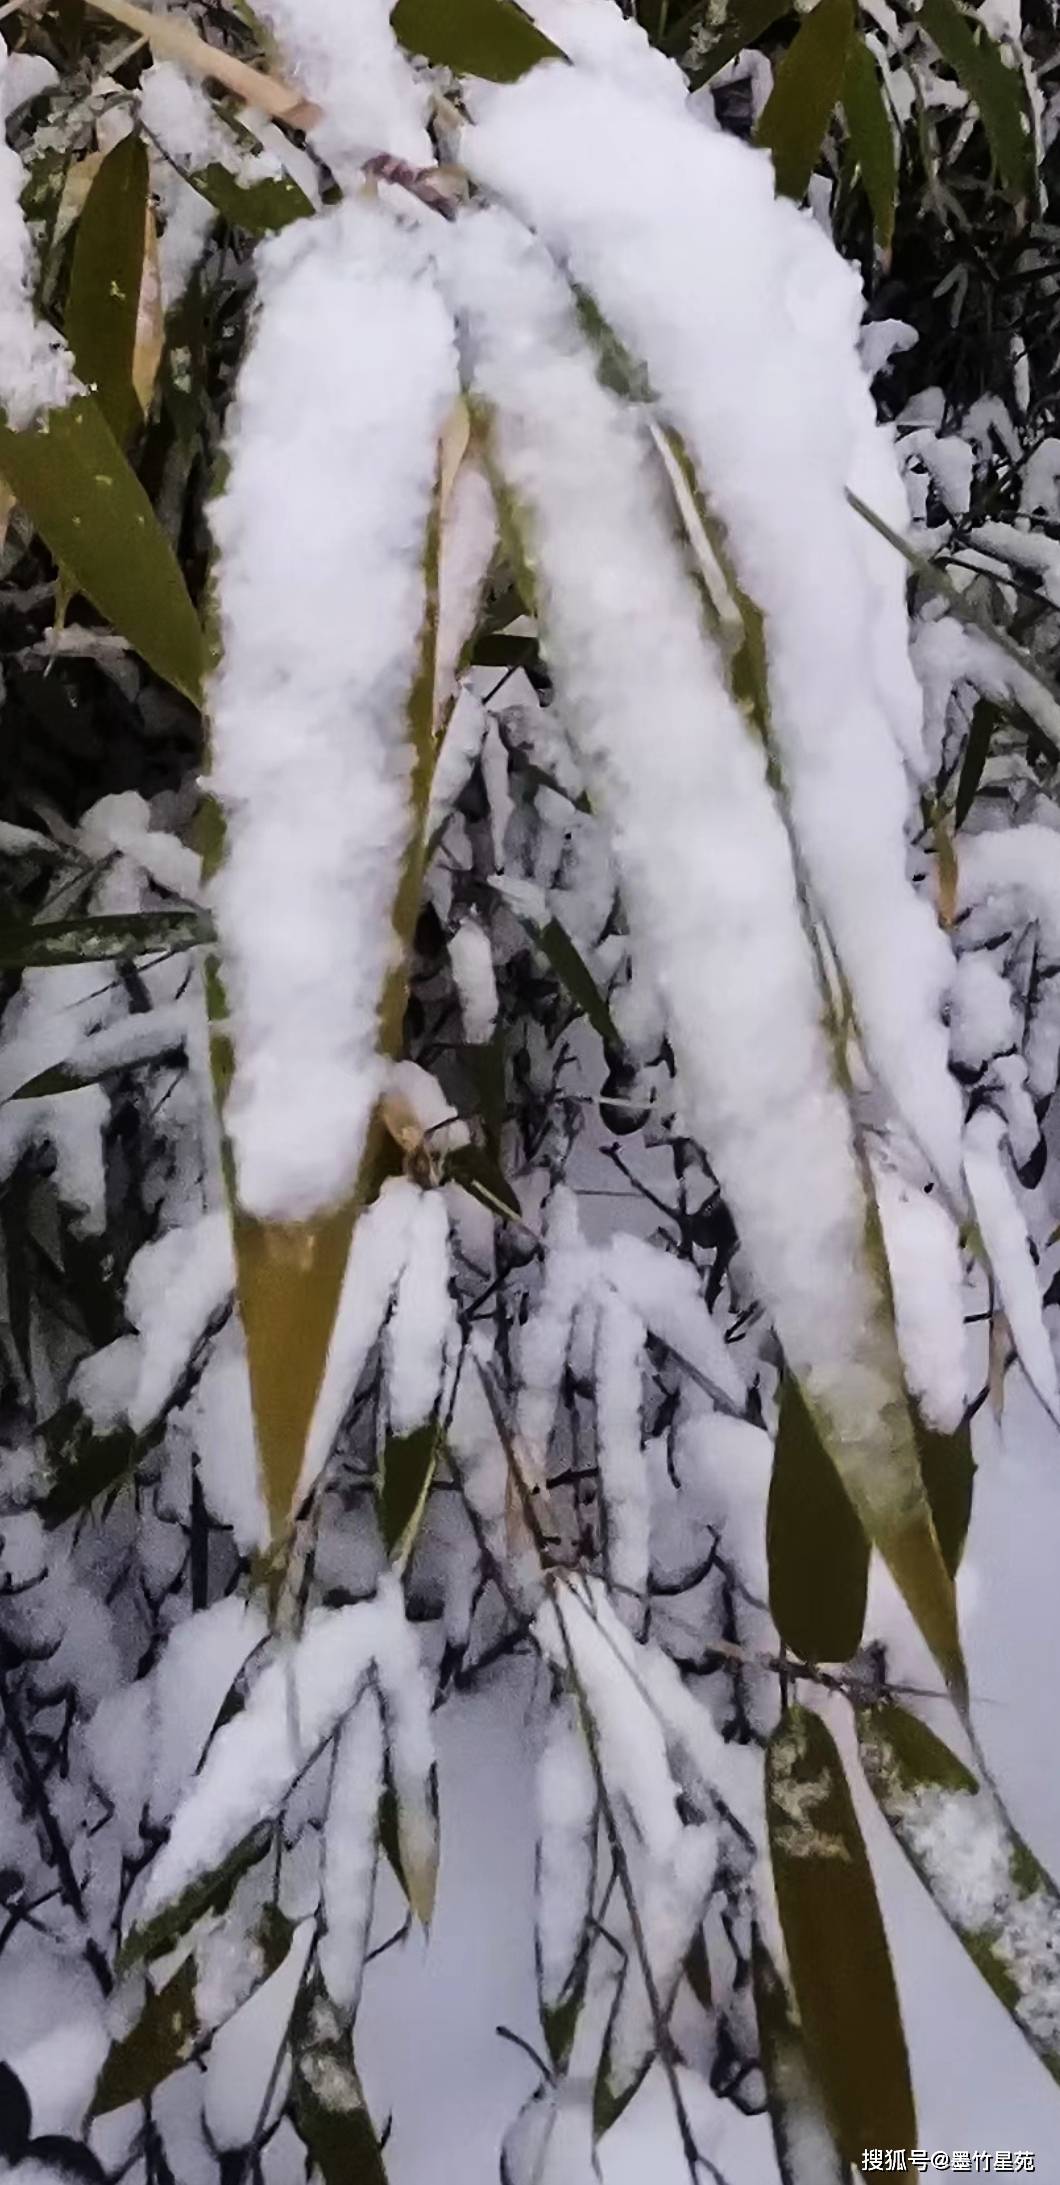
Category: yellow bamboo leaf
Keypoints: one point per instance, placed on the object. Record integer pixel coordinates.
(173, 36)
(150, 320)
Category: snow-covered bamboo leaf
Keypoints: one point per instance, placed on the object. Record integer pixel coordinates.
(25, 946)
(106, 272)
(818, 1552)
(191, 2006)
(158, 2044)
(351, 1832)
(707, 775)
(262, 207)
(297, 1704)
(744, 22)
(1003, 1230)
(993, 83)
(490, 38)
(835, 1940)
(802, 2134)
(209, 1893)
(871, 137)
(406, 1473)
(985, 1881)
(808, 84)
(71, 477)
(327, 2100)
(565, 1877)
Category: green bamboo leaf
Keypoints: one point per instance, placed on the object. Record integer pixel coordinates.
(817, 1552)
(406, 1471)
(985, 1881)
(743, 24)
(160, 2042)
(948, 1471)
(209, 1894)
(99, 940)
(994, 84)
(986, 718)
(262, 208)
(82, 1464)
(71, 477)
(573, 972)
(328, 2108)
(802, 2135)
(491, 38)
(105, 275)
(807, 85)
(835, 1940)
(871, 137)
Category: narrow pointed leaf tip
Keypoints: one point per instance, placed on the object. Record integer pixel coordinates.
(808, 83)
(489, 38)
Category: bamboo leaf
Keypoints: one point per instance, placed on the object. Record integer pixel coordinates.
(948, 1470)
(161, 2040)
(985, 1881)
(209, 1893)
(805, 90)
(986, 718)
(81, 1464)
(743, 24)
(573, 972)
(71, 477)
(993, 83)
(817, 1552)
(491, 38)
(328, 2108)
(100, 940)
(262, 208)
(835, 1940)
(802, 2135)
(406, 1470)
(106, 273)
(871, 137)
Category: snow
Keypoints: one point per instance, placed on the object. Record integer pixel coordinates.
(1006, 880)
(173, 1290)
(467, 546)
(471, 959)
(297, 1704)
(703, 855)
(177, 113)
(1004, 1235)
(350, 374)
(623, 1472)
(347, 61)
(378, 1252)
(927, 1276)
(778, 417)
(577, 1631)
(665, 1292)
(36, 373)
(421, 1319)
(350, 1851)
(566, 1857)
(596, 36)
